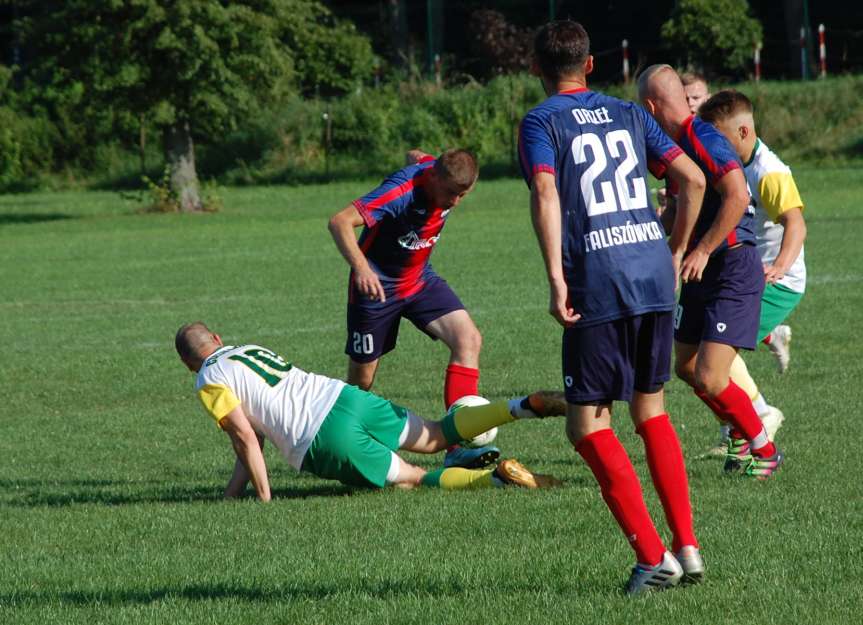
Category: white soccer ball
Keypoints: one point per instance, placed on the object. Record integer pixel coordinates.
(481, 440)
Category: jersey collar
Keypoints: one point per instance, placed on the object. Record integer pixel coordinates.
(571, 91)
(754, 152)
(684, 127)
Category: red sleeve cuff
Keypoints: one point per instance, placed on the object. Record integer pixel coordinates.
(367, 216)
(542, 168)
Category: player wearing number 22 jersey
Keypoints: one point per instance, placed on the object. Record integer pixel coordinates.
(616, 260)
(611, 272)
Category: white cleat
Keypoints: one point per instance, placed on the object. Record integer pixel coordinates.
(692, 564)
(647, 578)
(780, 346)
(772, 421)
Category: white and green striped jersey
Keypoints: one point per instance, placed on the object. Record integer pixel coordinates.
(283, 403)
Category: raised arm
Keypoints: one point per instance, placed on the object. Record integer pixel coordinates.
(545, 214)
(249, 452)
(341, 226)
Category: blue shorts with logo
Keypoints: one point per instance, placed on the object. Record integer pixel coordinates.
(606, 362)
(373, 327)
(725, 306)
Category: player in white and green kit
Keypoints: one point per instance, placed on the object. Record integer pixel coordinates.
(334, 430)
(781, 230)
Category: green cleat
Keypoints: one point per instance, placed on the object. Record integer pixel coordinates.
(738, 455)
(763, 468)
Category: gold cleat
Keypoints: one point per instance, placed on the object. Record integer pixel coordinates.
(511, 471)
(547, 403)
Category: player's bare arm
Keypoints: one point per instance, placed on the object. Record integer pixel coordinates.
(248, 450)
(341, 226)
(240, 477)
(690, 180)
(792, 242)
(735, 198)
(545, 214)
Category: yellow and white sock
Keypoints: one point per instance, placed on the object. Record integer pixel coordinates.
(467, 422)
(456, 478)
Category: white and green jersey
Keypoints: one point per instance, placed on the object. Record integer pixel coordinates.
(283, 403)
(774, 192)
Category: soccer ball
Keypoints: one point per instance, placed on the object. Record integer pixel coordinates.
(481, 440)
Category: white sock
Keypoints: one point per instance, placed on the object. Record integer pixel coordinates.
(517, 409)
(760, 405)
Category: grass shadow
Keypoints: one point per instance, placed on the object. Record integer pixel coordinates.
(61, 494)
(385, 589)
(31, 218)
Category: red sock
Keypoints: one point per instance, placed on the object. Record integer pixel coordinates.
(621, 490)
(668, 471)
(460, 381)
(737, 409)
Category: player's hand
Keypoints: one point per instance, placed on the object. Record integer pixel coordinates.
(414, 156)
(773, 274)
(693, 265)
(560, 308)
(368, 283)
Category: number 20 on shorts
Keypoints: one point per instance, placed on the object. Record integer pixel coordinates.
(363, 343)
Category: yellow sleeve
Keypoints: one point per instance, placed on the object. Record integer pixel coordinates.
(218, 400)
(778, 194)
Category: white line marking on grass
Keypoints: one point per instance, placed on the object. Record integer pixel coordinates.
(831, 279)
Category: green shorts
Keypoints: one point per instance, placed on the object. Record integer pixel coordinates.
(777, 302)
(357, 439)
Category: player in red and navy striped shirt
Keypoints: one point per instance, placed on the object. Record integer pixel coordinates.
(391, 276)
(718, 312)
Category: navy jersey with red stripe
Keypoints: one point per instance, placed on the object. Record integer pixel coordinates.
(615, 257)
(401, 230)
(713, 153)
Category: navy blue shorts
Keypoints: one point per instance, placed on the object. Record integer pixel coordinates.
(373, 327)
(725, 307)
(605, 362)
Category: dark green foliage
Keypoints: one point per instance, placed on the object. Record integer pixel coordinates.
(103, 70)
(372, 129)
(717, 36)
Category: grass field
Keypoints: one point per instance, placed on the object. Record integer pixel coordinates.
(111, 474)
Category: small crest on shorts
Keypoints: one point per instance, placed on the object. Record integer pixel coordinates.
(720, 327)
(568, 380)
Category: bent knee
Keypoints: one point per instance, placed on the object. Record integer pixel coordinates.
(468, 343)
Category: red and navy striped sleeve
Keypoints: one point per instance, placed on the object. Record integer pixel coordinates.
(390, 199)
(661, 150)
(535, 149)
(712, 150)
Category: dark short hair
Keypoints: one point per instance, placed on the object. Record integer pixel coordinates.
(724, 104)
(188, 339)
(561, 48)
(459, 167)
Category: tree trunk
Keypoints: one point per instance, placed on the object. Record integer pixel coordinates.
(180, 151)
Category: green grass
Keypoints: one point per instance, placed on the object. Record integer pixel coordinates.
(110, 473)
